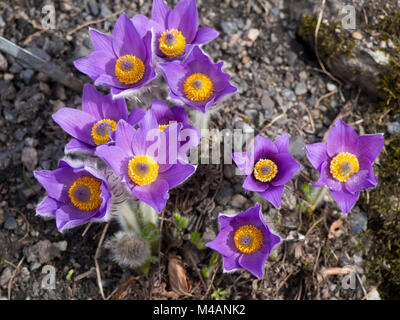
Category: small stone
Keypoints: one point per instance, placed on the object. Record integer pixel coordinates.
(273, 38)
(303, 76)
(357, 35)
(229, 27)
(224, 195)
(28, 75)
(29, 157)
(229, 171)
(5, 277)
(2, 22)
(393, 127)
(3, 63)
(275, 12)
(288, 94)
(11, 223)
(331, 87)
(292, 58)
(62, 245)
(300, 89)
(358, 220)
(296, 147)
(93, 8)
(15, 68)
(44, 87)
(238, 201)
(253, 34)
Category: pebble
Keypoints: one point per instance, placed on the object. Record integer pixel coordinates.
(5, 277)
(229, 27)
(303, 76)
(300, 89)
(331, 87)
(44, 251)
(3, 63)
(358, 220)
(357, 35)
(10, 223)
(393, 127)
(253, 34)
(28, 75)
(288, 94)
(2, 22)
(273, 38)
(238, 201)
(224, 195)
(296, 147)
(292, 58)
(275, 12)
(93, 8)
(29, 157)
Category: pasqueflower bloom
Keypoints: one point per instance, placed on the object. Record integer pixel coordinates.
(197, 82)
(76, 195)
(245, 241)
(148, 168)
(189, 136)
(268, 166)
(176, 31)
(344, 162)
(92, 125)
(122, 61)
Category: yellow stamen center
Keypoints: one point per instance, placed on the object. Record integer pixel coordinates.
(198, 87)
(343, 166)
(162, 127)
(129, 69)
(101, 130)
(248, 239)
(143, 170)
(265, 170)
(172, 43)
(85, 193)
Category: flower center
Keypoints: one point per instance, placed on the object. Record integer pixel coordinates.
(101, 130)
(162, 127)
(343, 166)
(265, 170)
(129, 69)
(172, 43)
(85, 193)
(198, 87)
(143, 169)
(248, 239)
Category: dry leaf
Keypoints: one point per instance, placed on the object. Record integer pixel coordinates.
(123, 289)
(336, 229)
(178, 280)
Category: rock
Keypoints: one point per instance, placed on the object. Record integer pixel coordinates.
(224, 195)
(292, 58)
(238, 201)
(208, 234)
(15, 68)
(5, 277)
(93, 8)
(29, 157)
(105, 12)
(253, 34)
(288, 94)
(229, 27)
(296, 147)
(43, 252)
(28, 75)
(229, 171)
(303, 76)
(300, 89)
(273, 38)
(2, 22)
(3, 63)
(357, 35)
(358, 220)
(331, 87)
(10, 223)
(62, 245)
(393, 127)
(275, 12)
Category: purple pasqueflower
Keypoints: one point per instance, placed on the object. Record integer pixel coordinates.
(245, 241)
(344, 162)
(147, 159)
(197, 82)
(77, 194)
(122, 61)
(92, 125)
(268, 166)
(189, 136)
(176, 31)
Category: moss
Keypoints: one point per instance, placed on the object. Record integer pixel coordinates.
(332, 40)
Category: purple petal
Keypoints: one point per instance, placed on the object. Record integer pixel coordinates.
(68, 216)
(161, 111)
(287, 167)
(363, 179)
(254, 262)
(154, 194)
(76, 122)
(205, 35)
(224, 243)
(274, 195)
(180, 114)
(47, 207)
(55, 181)
(253, 185)
(326, 178)
(114, 109)
(91, 101)
(126, 39)
(101, 42)
(142, 24)
(177, 174)
(115, 157)
(243, 161)
(263, 148)
(76, 145)
(96, 64)
(224, 221)
(344, 199)
(370, 146)
(342, 138)
(160, 12)
(282, 143)
(317, 154)
(123, 136)
(232, 262)
(184, 18)
(136, 116)
(174, 73)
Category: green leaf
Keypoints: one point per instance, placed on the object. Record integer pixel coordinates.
(214, 258)
(205, 272)
(69, 274)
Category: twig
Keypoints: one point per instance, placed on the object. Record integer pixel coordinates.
(211, 282)
(16, 270)
(197, 270)
(335, 271)
(84, 275)
(97, 263)
(324, 97)
(87, 228)
(94, 22)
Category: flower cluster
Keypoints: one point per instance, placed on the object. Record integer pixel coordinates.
(121, 163)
